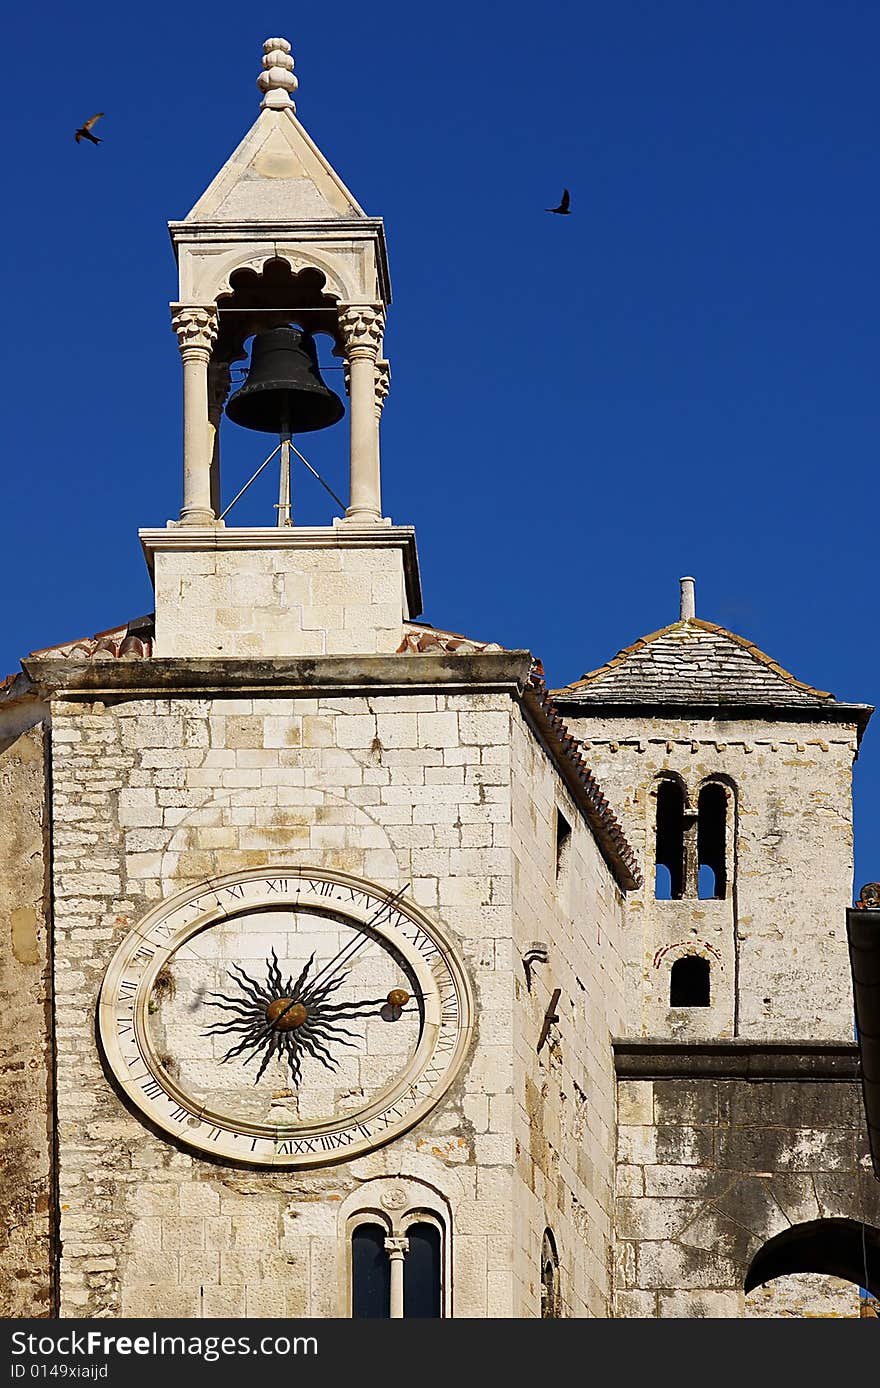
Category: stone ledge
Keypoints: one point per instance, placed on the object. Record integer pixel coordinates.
(304, 676)
(654, 1058)
(190, 539)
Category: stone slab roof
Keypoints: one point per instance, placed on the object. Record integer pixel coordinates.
(694, 662)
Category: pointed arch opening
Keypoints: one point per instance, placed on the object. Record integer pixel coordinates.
(551, 1301)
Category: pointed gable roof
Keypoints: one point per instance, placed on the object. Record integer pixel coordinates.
(276, 173)
(694, 662)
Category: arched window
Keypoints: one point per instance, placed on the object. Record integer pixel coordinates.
(689, 982)
(370, 1273)
(839, 1247)
(423, 1272)
(669, 850)
(398, 1268)
(550, 1298)
(712, 841)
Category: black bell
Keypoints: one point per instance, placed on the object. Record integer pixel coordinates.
(283, 392)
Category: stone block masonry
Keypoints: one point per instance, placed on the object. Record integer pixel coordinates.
(27, 1213)
(153, 793)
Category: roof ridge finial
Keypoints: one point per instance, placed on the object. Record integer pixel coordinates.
(688, 608)
(276, 80)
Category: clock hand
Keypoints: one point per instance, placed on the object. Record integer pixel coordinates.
(348, 951)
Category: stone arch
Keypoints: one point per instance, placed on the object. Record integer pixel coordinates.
(844, 1248)
(396, 1204)
(717, 805)
(551, 1296)
(334, 283)
(671, 817)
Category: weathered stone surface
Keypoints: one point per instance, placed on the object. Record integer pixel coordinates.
(26, 1194)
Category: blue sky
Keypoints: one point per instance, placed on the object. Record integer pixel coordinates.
(679, 378)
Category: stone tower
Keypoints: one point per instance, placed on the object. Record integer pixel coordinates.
(316, 911)
(331, 984)
(733, 780)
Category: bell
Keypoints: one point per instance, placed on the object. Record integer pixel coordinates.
(283, 392)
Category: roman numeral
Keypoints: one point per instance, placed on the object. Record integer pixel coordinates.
(145, 952)
(152, 1088)
(322, 888)
(330, 1141)
(127, 988)
(123, 1026)
(178, 1114)
(277, 884)
(236, 890)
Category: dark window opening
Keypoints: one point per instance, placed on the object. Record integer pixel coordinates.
(563, 841)
(712, 842)
(370, 1274)
(689, 982)
(550, 1298)
(669, 852)
(423, 1273)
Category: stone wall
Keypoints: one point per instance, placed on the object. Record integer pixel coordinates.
(293, 598)
(159, 793)
(27, 1204)
(564, 1119)
(710, 1168)
(784, 969)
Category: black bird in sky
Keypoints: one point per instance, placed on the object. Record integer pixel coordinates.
(563, 209)
(85, 130)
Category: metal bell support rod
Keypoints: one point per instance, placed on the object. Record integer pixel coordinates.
(283, 508)
(264, 463)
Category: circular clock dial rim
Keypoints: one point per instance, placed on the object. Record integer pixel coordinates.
(229, 1129)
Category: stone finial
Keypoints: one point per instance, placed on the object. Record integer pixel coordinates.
(276, 80)
(688, 607)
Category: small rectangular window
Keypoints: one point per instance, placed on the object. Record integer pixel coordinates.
(563, 841)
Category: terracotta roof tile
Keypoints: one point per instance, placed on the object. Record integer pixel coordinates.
(421, 638)
(134, 639)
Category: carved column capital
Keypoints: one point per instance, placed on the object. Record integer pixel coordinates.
(397, 1247)
(218, 389)
(361, 327)
(196, 328)
(383, 385)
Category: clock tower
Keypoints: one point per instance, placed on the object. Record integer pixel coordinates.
(331, 986)
(332, 900)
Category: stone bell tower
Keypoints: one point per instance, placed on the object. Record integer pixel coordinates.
(277, 238)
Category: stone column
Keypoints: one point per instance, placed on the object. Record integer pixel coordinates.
(361, 329)
(397, 1250)
(218, 389)
(196, 328)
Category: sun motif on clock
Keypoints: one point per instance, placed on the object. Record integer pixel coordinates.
(286, 1017)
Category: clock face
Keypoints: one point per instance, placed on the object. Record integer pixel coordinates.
(286, 1017)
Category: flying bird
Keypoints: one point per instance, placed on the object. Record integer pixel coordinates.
(563, 209)
(85, 130)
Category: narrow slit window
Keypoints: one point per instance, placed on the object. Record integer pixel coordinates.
(370, 1274)
(563, 842)
(712, 842)
(669, 851)
(690, 982)
(550, 1298)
